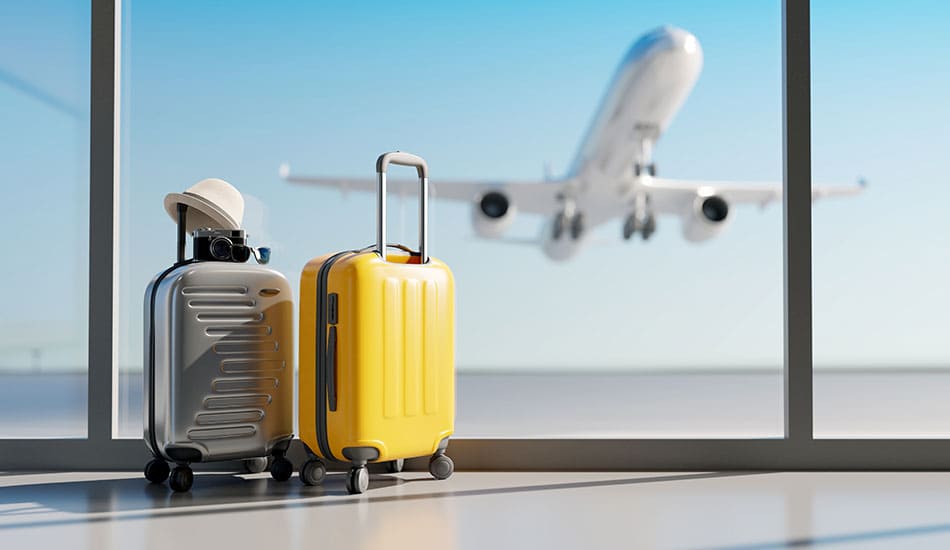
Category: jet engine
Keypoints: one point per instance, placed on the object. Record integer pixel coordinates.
(492, 214)
(707, 217)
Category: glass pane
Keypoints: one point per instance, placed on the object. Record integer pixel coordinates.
(881, 263)
(44, 151)
(663, 338)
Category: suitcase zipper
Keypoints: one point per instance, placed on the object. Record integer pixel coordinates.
(322, 377)
(151, 359)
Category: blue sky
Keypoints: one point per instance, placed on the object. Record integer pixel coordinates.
(44, 151)
(229, 89)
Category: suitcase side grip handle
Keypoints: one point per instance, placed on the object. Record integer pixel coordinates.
(331, 369)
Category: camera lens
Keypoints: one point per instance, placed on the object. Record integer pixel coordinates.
(221, 248)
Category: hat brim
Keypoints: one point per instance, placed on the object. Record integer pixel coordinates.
(201, 212)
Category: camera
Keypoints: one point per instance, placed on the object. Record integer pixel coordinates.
(221, 245)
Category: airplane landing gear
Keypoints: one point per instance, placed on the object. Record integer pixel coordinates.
(560, 223)
(577, 226)
(567, 220)
(641, 219)
(648, 169)
(648, 228)
(564, 223)
(635, 224)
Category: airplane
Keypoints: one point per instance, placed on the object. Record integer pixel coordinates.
(613, 174)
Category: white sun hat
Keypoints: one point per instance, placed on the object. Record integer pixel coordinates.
(211, 203)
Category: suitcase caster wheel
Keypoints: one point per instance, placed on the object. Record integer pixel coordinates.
(281, 469)
(313, 472)
(255, 465)
(357, 480)
(395, 466)
(181, 479)
(441, 467)
(156, 471)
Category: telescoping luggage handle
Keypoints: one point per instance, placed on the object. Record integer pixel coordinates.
(402, 159)
(182, 213)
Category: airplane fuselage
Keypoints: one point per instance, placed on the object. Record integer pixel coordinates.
(648, 88)
(613, 175)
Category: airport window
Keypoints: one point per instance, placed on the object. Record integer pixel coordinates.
(881, 265)
(676, 332)
(44, 151)
(651, 352)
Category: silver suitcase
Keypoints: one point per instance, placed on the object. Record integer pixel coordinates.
(218, 367)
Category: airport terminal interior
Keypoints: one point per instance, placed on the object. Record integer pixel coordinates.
(482, 275)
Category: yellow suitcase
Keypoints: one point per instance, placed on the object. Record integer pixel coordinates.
(377, 352)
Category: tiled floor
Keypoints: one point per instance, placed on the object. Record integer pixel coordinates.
(481, 510)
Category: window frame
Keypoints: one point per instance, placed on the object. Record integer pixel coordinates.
(797, 450)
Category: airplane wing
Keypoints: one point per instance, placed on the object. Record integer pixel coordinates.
(670, 195)
(537, 197)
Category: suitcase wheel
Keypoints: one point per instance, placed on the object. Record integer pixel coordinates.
(357, 480)
(441, 467)
(395, 466)
(156, 470)
(181, 479)
(255, 465)
(281, 469)
(313, 471)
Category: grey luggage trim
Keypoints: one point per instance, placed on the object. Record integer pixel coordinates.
(321, 367)
(152, 441)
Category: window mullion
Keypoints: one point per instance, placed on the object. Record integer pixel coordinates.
(796, 118)
(103, 215)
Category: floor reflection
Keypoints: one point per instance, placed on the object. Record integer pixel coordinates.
(481, 510)
(135, 498)
(136, 494)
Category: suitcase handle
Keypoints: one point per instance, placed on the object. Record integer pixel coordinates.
(402, 159)
(182, 213)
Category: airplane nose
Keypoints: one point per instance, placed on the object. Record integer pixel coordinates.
(680, 40)
(664, 40)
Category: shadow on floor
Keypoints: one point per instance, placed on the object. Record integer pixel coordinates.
(136, 494)
(134, 498)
